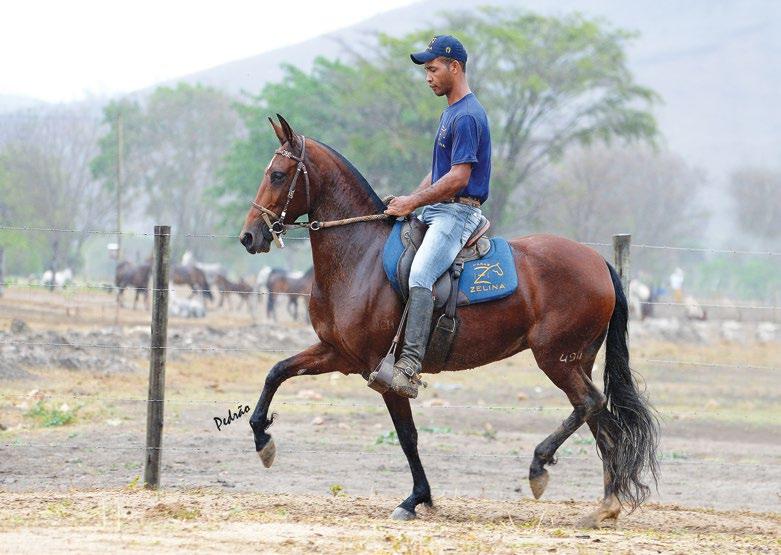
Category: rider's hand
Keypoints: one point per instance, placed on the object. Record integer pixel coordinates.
(401, 206)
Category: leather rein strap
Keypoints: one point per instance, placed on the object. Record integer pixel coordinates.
(279, 227)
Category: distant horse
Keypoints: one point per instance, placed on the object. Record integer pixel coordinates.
(241, 289)
(293, 285)
(134, 276)
(569, 301)
(195, 278)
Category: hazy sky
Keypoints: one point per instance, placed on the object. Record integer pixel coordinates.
(62, 50)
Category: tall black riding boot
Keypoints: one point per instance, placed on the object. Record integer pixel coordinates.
(407, 369)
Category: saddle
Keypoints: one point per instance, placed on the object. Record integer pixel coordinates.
(412, 233)
(486, 264)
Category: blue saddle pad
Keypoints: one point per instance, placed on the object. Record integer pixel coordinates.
(484, 279)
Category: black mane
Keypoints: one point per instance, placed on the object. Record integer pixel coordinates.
(361, 179)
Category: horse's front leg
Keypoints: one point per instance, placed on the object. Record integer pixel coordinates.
(401, 414)
(317, 359)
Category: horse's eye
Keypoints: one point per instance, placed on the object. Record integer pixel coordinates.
(276, 177)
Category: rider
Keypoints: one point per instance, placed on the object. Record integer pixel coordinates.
(451, 195)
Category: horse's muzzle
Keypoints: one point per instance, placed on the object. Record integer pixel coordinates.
(248, 239)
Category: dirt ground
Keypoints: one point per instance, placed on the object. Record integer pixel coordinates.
(73, 428)
(208, 520)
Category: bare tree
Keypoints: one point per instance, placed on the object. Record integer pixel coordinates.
(757, 196)
(48, 182)
(600, 190)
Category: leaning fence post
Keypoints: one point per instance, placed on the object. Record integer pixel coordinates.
(155, 405)
(621, 243)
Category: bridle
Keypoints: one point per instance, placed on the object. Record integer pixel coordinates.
(278, 227)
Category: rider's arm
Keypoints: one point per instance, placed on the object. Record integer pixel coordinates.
(425, 184)
(446, 186)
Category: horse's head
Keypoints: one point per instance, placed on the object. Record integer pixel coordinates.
(283, 194)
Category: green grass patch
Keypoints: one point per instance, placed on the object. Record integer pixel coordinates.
(48, 416)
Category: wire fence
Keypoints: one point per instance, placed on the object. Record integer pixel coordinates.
(324, 450)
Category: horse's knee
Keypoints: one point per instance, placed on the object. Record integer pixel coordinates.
(276, 375)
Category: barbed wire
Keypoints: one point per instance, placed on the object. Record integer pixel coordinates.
(231, 236)
(148, 347)
(362, 453)
(736, 366)
(112, 288)
(707, 305)
(128, 233)
(692, 249)
(107, 287)
(340, 405)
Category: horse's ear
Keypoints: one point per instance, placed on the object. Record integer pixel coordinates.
(278, 131)
(290, 136)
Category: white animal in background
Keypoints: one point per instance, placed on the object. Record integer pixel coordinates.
(693, 309)
(640, 297)
(59, 279)
(262, 280)
(185, 308)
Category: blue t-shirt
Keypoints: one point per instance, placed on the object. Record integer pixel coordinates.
(464, 137)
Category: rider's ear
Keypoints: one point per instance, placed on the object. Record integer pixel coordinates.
(278, 131)
(288, 132)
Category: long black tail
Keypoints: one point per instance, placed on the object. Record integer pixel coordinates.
(629, 419)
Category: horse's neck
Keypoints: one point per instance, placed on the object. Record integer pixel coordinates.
(342, 196)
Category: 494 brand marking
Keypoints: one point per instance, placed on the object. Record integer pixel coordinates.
(571, 357)
(482, 282)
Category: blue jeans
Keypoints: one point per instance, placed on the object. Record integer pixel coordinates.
(449, 227)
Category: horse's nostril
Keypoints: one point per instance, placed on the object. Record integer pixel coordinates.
(246, 239)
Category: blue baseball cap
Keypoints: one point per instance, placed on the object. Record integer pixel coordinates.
(441, 45)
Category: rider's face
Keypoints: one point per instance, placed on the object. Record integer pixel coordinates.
(439, 76)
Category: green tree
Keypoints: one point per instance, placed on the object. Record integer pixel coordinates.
(547, 83)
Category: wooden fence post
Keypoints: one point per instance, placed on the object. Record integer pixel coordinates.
(621, 243)
(157, 352)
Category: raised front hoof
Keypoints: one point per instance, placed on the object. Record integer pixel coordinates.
(267, 453)
(400, 513)
(538, 483)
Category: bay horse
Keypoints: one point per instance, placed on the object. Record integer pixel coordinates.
(241, 289)
(194, 277)
(135, 276)
(569, 300)
(294, 287)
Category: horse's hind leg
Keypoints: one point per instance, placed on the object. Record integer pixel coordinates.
(610, 507)
(401, 414)
(571, 376)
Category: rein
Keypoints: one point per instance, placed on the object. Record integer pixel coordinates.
(278, 228)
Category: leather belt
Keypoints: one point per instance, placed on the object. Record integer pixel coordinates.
(471, 201)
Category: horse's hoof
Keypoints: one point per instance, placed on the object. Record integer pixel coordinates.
(539, 483)
(267, 453)
(400, 513)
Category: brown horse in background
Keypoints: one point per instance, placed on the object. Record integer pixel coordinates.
(195, 278)
(281, 282)
(241, 289)
(135, 276)
(569, 300)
